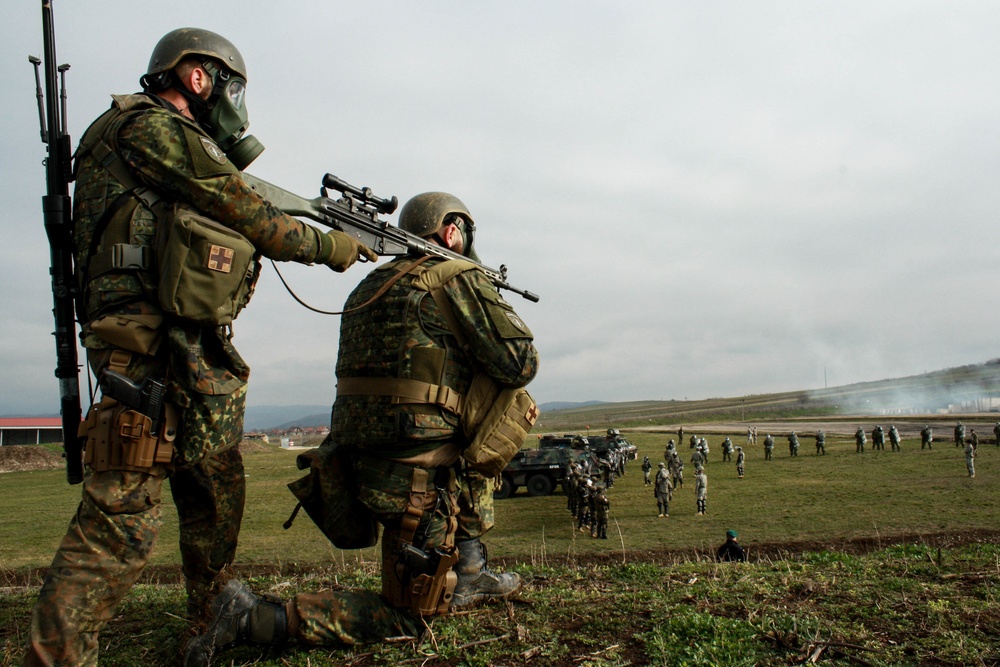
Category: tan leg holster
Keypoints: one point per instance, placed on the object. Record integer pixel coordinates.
(428, 592)
(119, 438)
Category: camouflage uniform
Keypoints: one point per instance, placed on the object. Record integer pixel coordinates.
(927, 437)
(646, 468)
(970, 459)
(878, 439)
(740, 461)
(768, 447)
(959, 434)
(599, 508)
(820, 442)
(112, 534)
(793, 444)
(662, 491)
(894, 438)
(404, 334)
(727, 450)
(859, 440)
(701, 490)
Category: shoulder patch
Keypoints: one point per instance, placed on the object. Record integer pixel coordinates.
(501, 313)
(213, 151)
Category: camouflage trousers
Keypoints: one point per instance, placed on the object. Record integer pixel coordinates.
(359, 617)
(111, 537)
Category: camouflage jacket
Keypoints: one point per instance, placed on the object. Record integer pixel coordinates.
(404, 334)
(172, 156)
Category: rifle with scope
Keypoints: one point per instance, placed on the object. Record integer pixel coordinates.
(356, 213)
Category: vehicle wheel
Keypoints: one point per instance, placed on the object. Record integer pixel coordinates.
(505, 489)
(540, 485)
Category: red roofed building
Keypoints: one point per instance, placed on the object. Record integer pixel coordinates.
(30, 430)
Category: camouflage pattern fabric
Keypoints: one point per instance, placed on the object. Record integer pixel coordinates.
(403, 334)
(110, 538)
(475, 504)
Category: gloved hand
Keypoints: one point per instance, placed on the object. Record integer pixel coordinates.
(339, 251)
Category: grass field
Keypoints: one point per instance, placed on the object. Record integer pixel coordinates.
(648, 595)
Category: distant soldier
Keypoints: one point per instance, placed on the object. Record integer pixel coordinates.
(701, 490)
(704, 448)
(927, 437)
(662, 491)
(749, 436)
(572, 481)
(768, 447)
(646, 467)
(694, 442)
(894, 438)
(793, 444)
(959, 434)
(740, 460)
(878, 438)
(820, 442)
(974, 437)
(727, 450)
(860, 440)
(678, 474)
(753, 435)
(970, 459)
(671, 447)
(599, 506)
(698, 458)
(680, 435)
(996, 433)
(583, 503)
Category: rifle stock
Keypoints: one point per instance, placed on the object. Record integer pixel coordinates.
(356, 213)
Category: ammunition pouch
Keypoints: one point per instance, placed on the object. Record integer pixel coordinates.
(118, 438)
(329, 495)
(496, 422)
(207, 271)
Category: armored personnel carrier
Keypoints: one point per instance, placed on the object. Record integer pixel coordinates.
(541, 470)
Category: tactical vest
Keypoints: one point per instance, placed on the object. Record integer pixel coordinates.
(396, 338)
(121, 226)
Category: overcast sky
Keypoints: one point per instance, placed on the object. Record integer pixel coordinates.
(711, 198)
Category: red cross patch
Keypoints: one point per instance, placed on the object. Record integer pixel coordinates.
(220, 259)
(532, 414)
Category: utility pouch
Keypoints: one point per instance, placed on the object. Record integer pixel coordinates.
(119, 439)
(207, 271)
(329, 495)
(497, 421)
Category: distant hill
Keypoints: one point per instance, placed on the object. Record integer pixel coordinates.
(564, 405)
(970, 388)
(269, 417)
(973, 388)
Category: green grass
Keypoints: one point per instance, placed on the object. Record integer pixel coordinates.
(648, 595)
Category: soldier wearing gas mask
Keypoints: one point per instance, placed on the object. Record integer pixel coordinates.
(168, 238)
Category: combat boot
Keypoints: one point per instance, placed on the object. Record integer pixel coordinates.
(238, 616)
(476, 581)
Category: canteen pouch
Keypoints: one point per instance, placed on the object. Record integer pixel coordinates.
(329, 495)
(118, 438)
(497, 421)
(207, 271)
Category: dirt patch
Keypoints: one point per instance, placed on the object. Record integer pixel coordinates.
(253, 446)
(18, 458)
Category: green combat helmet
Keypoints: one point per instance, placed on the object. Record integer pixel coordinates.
(224, 114)
(426, 213)
(178, 44)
